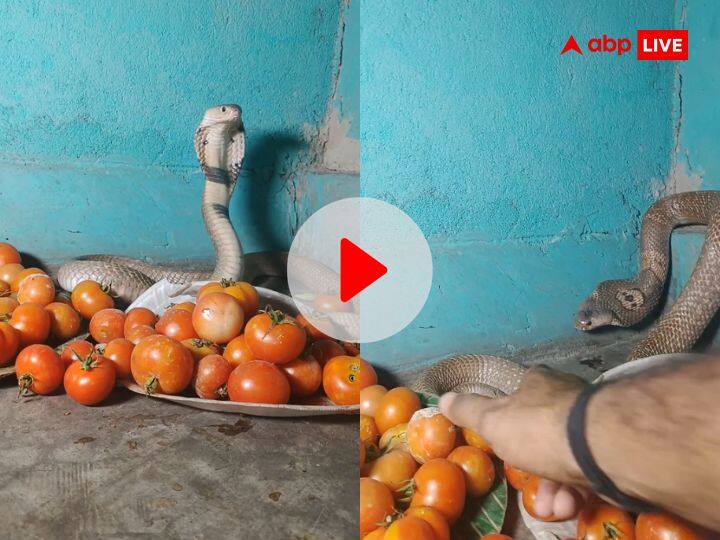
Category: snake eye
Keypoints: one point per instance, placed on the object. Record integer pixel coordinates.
(223, 109)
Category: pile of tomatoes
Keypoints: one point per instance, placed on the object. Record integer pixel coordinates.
(418, 470)
(222, 346)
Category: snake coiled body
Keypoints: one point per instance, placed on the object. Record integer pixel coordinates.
(624, 302)
(220, 148)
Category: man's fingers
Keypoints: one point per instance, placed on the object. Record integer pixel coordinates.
(465, 410)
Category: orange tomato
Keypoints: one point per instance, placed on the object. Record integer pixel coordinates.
(8, 254)
(139, 316)
(529, 498)
(9, 343)
(599, 520)
(36, 288)
(119, 352)
(473, 439)
(275, 337)
(176, 324)
(200, 348)
(213, 372)
(139, 332)
(4, 289)
(161, 364)
(89, 297)
(20, 277)
(370, 398)
(434, 518)
(91, 380)
(478, 467)
(439, 483)
(325, 350)
(368, 430)
(430, 435)
(662, 526)
(304, 375)
(107, 324)
(32, 322)
(409, 527)
(218, 317)
(7, 306)
(496, 536)
(39, 370)
(395, 438)
(376, 504)
(394, 469)
(237, 352)
(76, 350)
(515, 477)
(185, 306)
(64, 321)
(345, 376)
(377, 534)
(314, 334)
(396, 407)
(8, 272)
(258, 382)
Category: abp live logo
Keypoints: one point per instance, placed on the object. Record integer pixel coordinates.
(651, 45)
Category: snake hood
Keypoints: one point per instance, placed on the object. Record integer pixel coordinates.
(220, 144)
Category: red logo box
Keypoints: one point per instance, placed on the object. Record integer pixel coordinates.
(662, 44)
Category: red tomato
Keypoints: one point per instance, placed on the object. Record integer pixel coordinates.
(8, 272)
(107, 324)
(376, 505)
(258, 382)
(515, 477)
(435, 518)
(395, 469)
(9, 343)
(370, 397)
(237, 351)
(304, 374)
(64, 321)
(473, 439)
(218, 317)
(430, 435)
(89, 297)
(139, 316)
(440, 484)
(478, 467)
(20, 277)
(119, 352)
(410, 527)
(32, 322)
(662, 526)
(36, 288)
(599, 520)
(39, 370)
(7, 306)
(177, 324)
(90, 380)
(185, 306)
(396, 407)
(139, 332)
(345, 376)
(8, 254)
(162, 365)
(325, 350)
(242, 292)
(351, 349)
(274, 337)
(76, 350)
(213, 372)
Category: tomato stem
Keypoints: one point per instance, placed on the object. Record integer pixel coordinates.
(151, 385)
(222, 392)
(24, 382)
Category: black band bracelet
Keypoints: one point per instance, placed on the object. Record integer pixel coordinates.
(599, 481)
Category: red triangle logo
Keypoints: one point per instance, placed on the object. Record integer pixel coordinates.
(571, 45)
(358, 270)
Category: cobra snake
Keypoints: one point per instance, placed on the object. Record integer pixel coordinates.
(621, 302)
(220, 148)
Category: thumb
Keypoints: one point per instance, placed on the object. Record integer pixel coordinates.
(465, 410)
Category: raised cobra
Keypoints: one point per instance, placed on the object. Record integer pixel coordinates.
(623, 302)
(220, 148)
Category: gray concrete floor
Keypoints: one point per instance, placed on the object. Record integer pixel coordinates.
(143, 468)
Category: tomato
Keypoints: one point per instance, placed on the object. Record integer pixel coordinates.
(237, 351)
(64, 321)
(395, 438)
(478, 467)
(599, 520)
(119, 352)
(362, 453)
(314, 334)
(662, 526)
(218, 317)
(473, 439)
(439, 483)
(8, 254)
(8, 272)
(258, 382)
(213, 372)
(4, 289)
(200, 348)
(89, 297)
(304, 375)
(496, 536)
(409, 527)
(394, 469)
(139, 332)
(161, 364)
(351, 349)
(177, 324)
(139, 316)
(274, 337)
(368, 430)
(36, 288)
(434, 518)
(345, 376)
(325, 350)
(396, 407)
(185, 306)
(377, 534)
(90, 380)
(515, 477)
(107, 324)
(430, 435)
(529, 498)
(32, 321)
(7, 306)
(370, 398)
(39, 370)
(9, 343)
(245, 294)
(76, 350)
(20, 277)
(376, 504)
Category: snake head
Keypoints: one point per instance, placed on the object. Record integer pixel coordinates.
(614, 302)
(223, 114)
(592, 315)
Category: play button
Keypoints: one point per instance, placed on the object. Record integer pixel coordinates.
(359, 269)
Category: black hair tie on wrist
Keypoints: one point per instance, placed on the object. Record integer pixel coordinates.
(599, 481)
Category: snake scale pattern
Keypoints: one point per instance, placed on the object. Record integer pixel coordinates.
(621, 302)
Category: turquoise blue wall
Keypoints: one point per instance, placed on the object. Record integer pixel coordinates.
(99, 101)
(528, 171)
